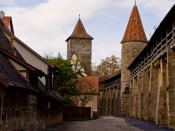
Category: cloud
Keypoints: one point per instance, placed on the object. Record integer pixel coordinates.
(7, 2)
(157, 5)
(45, 26)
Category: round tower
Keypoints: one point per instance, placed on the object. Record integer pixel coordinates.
(133, 42)
(80, 43)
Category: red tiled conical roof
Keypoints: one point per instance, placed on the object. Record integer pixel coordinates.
(79, 32)
(134, 30)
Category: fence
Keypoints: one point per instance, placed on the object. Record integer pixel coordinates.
(76, 113)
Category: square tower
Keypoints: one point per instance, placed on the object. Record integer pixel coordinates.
(80, 42)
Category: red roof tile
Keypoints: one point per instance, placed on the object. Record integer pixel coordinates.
(80, 32)
(134, 30)
(93, 80)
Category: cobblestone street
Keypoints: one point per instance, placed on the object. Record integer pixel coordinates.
(108, 123)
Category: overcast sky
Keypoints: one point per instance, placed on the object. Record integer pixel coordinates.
(44, 25)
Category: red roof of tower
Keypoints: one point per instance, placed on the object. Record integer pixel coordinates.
(80, 32)
(134, 30)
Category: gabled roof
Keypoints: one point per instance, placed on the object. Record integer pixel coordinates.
(5, 44)
(79, 32)
(86, 81)
(134, 30)
(74, 53)
(6, 30)
(10, 77)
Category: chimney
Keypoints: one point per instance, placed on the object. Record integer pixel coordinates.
(2, 14)
(12, 45)
(12, 38)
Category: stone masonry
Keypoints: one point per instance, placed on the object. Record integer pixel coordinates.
(80, 42)
(24, 111)
(147, 74)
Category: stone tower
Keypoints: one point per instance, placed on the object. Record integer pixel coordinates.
(133, 42)
(80, 42)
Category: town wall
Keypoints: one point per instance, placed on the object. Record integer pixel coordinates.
(23, 111)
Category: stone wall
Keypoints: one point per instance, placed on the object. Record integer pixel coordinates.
(93, 103)
(20, 110)
(110, 101)
(151, 94)
(83, 48)
(129, 51)
(152, 91)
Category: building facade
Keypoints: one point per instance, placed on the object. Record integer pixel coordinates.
(28, 100)
(147, 73)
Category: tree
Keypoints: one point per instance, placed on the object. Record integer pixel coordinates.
(108, 66)
(85, 92)
(67, 79)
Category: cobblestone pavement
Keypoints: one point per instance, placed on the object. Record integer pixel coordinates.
(108, 123)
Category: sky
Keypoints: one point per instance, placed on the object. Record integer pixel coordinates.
(44, 25)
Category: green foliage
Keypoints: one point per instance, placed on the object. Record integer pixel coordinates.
(68, 84)
(67, 78)
(108, 66)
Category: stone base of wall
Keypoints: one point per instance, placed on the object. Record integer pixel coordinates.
(23, 111)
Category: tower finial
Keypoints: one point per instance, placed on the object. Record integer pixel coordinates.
(79, 16)
(135, 2)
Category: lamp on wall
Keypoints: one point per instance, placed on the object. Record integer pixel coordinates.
(126, 88)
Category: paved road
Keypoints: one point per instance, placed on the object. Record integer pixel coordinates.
(108, 123)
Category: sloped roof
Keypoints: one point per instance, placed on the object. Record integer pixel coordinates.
(11, 76)
(116, 73)
(134, 30)
(6, 30)
(6, 45)
(74, 53)
(79, 32)
(89, 80)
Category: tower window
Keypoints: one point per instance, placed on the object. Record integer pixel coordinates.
(134, 52)
(82, 43)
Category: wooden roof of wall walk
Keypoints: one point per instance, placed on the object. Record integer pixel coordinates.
(6, 30)
(155, 36)
(113, 76)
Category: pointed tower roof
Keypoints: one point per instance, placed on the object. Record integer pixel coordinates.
(134, 30)
(79, 32)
